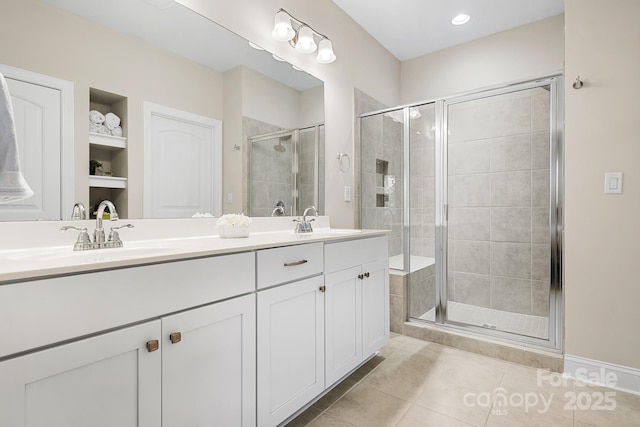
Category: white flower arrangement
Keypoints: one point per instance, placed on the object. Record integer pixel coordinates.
(234, 220)
(233, 225)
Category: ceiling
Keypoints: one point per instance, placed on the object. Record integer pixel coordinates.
(411, 28)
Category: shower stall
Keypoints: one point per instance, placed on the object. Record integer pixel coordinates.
(286, 171)
(470, 189)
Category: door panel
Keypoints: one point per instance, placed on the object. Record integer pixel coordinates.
(37, 114)
(183, 165)
(104, 381)
(208, 377)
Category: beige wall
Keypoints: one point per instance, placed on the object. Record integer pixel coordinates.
(362, 62)
(602, 232)
(44, 39)
(529, 51)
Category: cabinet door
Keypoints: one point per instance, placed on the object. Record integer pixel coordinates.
(375, 306)
(208, 365)
(105, 381)
(343, 323)
(290, 348)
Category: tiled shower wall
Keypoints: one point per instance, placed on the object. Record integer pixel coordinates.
(270, 177)
(307, 168)
(382, 141)
(498, 167)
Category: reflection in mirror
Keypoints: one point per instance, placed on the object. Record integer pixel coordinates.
(120, 54)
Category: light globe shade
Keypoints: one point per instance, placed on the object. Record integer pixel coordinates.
(305, 42)
(325, 52)
(282, 29)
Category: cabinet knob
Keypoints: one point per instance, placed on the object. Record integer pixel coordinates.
(360, 276)
(152, 345)
(175, 337)
(323, 288)
(366, 274)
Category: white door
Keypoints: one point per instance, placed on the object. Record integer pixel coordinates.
(37, 114)
(343, 323)
(183, 163)
(290, 349)
(209, 369)
(105, 381)
(375, 306)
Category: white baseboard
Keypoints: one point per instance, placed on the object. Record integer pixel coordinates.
(605, 374)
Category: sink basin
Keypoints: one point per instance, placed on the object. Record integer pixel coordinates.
(338, 231)
(92, 255)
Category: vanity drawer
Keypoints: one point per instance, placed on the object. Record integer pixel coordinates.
(341, 255)
(281, 265)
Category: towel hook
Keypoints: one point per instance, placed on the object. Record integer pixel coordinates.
(578, 83)
(340, 156)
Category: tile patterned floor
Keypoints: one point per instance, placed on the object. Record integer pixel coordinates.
(413, 383)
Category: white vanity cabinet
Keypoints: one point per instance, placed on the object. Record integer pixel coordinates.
(189, 361)
(103, 381)
(209, 365)
(290, 344)
(356, 303)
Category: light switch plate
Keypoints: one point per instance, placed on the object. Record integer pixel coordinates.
(613, 183)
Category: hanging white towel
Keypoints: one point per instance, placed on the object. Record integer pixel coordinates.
(13, 186)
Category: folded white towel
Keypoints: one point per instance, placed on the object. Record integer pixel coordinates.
(93, 127)
(102, 129)
(117, 131)
(96, 117)
(111, 121)
(12, 184)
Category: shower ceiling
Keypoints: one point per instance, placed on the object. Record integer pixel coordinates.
(409, 29)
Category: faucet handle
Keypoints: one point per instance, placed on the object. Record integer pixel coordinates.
(114, 241)
(83, 242)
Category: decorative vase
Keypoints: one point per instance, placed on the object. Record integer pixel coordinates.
(233, 232)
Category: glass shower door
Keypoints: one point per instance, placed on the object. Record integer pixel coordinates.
(273, 173)
(498, 192)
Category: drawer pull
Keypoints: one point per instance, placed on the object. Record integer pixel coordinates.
(152, 346)
(293, 264)
(175, 337)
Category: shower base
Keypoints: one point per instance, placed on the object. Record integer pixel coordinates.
(522, 324)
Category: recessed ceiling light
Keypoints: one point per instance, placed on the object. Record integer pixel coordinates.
(460, 19)
(255, 46)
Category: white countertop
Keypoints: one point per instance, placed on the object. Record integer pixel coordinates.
(54, 260)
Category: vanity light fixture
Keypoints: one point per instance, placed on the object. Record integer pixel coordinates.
(302, 37)
(460, 19)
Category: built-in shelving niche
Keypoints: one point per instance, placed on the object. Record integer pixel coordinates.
(112, 152)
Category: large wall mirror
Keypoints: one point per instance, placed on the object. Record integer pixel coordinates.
(122, 56)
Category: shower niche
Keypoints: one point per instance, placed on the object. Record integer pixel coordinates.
(385, 185)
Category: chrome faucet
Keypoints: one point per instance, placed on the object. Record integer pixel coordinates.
(79, 212)
(278, 210)
(98, 234)
(304, 226)
(304, 214)
(84, 241)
